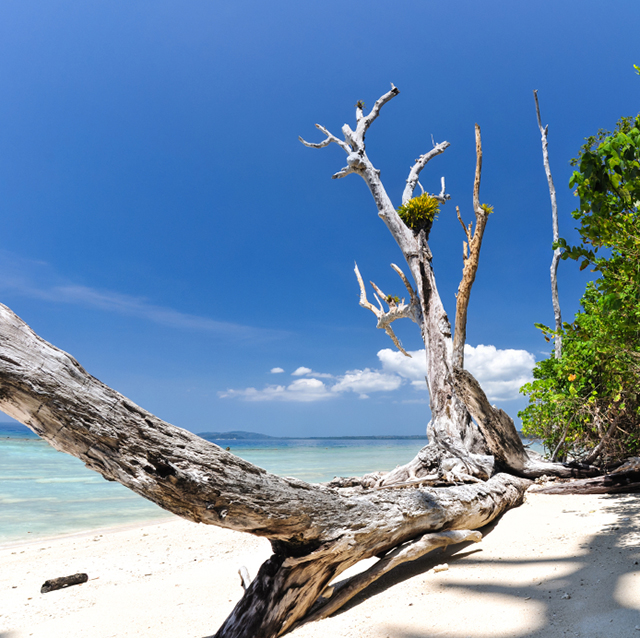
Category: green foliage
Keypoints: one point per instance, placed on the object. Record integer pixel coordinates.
(360, 104)
(594, 387)
(390, 299)
(486, 208)
(420, 212)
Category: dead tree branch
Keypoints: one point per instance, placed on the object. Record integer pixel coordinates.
(316, 531)
(396, 309)
(471, 257)
(555, 260)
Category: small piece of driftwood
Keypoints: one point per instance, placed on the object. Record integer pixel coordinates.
(62, 582)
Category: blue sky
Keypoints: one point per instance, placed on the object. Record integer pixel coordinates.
(162, 223)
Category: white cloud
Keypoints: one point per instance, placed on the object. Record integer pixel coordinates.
(301, 390)
(365, 381)
(302, 371)
(276, 370)
(361, 382)
(414, 368)
(501, 373)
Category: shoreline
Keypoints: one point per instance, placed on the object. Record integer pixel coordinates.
(109, 529)
(557, 566)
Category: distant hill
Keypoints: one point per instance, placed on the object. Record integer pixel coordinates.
(233, 436)
(16, 431)
(242, 435)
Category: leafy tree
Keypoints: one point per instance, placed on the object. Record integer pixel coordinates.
(586, 405)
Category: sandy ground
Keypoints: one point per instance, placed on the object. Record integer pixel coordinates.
(557, 566)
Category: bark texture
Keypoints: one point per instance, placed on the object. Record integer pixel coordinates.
(625, 478)
(471, 258)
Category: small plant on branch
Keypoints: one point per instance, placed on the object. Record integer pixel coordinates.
(420, 212)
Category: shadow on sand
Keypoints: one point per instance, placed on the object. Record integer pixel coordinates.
(589, 601)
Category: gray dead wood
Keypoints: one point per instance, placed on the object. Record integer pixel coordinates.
(410, 551)
(461, 448)
(316, 531)
(555, 260)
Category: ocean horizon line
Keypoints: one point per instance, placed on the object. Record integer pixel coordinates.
(240, 435)
(244, 435)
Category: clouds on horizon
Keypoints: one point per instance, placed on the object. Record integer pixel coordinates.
(501, 373)
(362, 382)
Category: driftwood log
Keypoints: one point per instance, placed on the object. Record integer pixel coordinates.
(63, 581)
(473, 469)
(623, 479)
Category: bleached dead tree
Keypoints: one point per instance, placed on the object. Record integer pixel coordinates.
(473, 469)
(555, 260)
(468, 438)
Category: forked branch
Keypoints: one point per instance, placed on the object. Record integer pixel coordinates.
(409, 552)
(396, 309)
(471, 256)
(364, 122)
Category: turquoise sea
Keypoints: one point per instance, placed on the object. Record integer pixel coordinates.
(44, 492)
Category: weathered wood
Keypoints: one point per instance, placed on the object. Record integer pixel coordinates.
(245, 579)
(316, 531)
(286, 588)
(461, 447)
(410, 551)
(63, 581)
(502, 438)
(471, 258)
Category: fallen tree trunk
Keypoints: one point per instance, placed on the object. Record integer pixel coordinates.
(316, 531)
(623, 479)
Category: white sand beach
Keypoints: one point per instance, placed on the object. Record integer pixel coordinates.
(557, 566)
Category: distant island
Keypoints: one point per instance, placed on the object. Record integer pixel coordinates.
(233, 435)
(16, 429)
(241, 435)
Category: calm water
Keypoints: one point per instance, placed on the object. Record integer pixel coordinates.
(44, 492)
